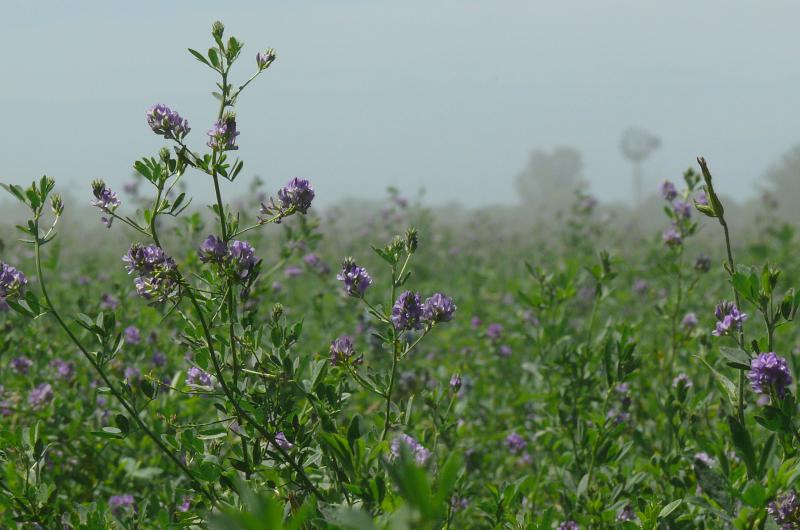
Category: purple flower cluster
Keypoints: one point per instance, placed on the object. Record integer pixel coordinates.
(626, 514)
(156, 271)
(342, 350)
(356, 279)
(240, 255)
(106, 200)
(672, 237)
(297, 194)
(21, 364)
(689, 321)
(494, 331)
(729, 318)
(668, 191)
(167, 123)
(40, 395)
(407, 312)
(132, 335)
(198, 377)
(282, 442)
(568, 525)
(64, 369)
(438, 308)
(314, 262)
(769, 371)
(421, 455)
(265, 58)
(515, 443)
(786, 510)
(681, 380)
(12, 282)
(119, 503)
(222, 136)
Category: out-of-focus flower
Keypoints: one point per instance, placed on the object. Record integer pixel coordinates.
(119, 503)
(421, 455)
(40, 395)
(132, 335)
(515, 443)
(671, 237)
(668, 191)
(21, 364)
(786, 510)
(689, 321)
(768, 371)
(494, 331)
(196, 376)
(342, 349)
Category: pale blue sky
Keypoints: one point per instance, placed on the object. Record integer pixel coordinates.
(450, 95)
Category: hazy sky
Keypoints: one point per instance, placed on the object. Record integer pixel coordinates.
(449, 95)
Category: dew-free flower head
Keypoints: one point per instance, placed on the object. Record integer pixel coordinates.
(222, 136)
(213, 249)
(769, 372)
(407, 312)
(167, 123)
(356, 279)
(298, 193)
(438, 308)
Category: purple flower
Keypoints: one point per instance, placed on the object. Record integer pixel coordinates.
(728, 318)
(243, 256)
(64, 369)
(704, 458)
(682, 380)
(12, 282)
(298, 193)
(458, 503)
(640, 286)
(342, 349)
(671, 237)
(282, 442)
(156, 271)
(494, 331)
(626, 514)
(455, 383)
(158, 359)
(213, 249)
(505, 350)
(132, 373)
(668, 191)
(568, 525)
(21, 364)
(196, 376)
(786, 510)
(701, 199)
(106, 200)
(132, 335)
(265, 58)
(356, 279)
(421, 455)
(222, 136)
(438, 308)
(702, 263)
(515, 443)
(769, 371)
(292, 271)
(475, 322)
(689, 321)
(682, 209)
(407, 312)
(167, 123)
(41, 395)
(119, 503)
(108, 302)
(315, 263)
(186, 505)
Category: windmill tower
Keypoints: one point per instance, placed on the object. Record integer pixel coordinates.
(636, 145)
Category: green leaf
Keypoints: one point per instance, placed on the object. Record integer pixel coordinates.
(199, 56)
(669, 508)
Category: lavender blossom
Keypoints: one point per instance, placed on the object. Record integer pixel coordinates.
(213, 249)
(222, 136)
(704, 458)
(12, 282)
(298, 194)
(515, 443)
(64, 369)
(681, 380)
(119, 503)
(292, 271)
(282, 442)
(494, 331)
(769, 371)
(689, 321)
(41, 395)
(455, 383)
(786, 510)
(438, 308)
(729, 318)
(342, 349)
(668, 191)
(356, 279)
(196, 376)
(156, 271)
(106, 200)
(682, 209)
(672, 237)
(421, 455)
(132, 335)
(21, 364)
(242, 256)
(108, 302)
(568, 525)
(315, 263)
(626, 514)
(167, 123)
(407, 312)
(158, 359)
(265, 58)
(640, 286)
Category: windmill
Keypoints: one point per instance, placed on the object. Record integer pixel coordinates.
(637, 144)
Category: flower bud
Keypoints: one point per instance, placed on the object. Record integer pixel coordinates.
(217, 29)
